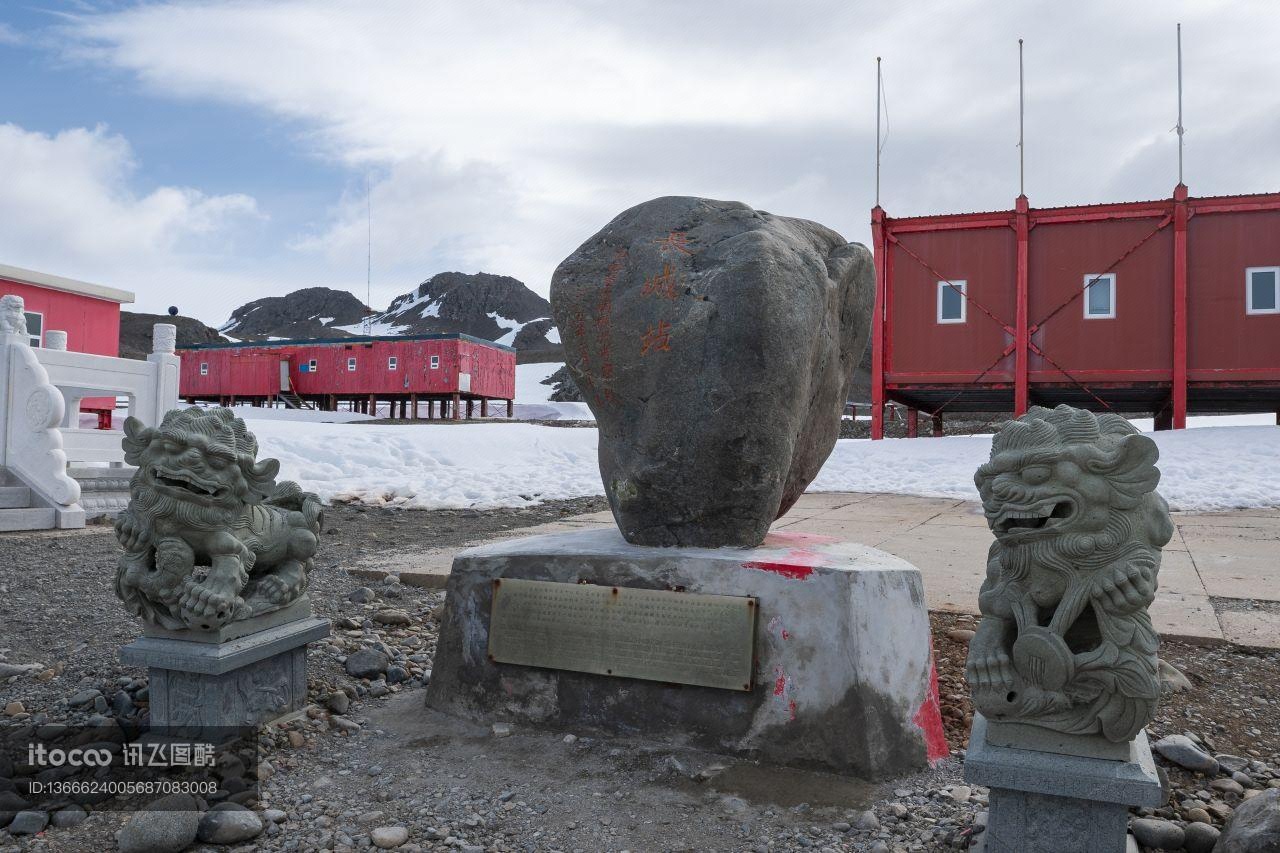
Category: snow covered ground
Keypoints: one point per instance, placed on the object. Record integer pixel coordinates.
(488, 465)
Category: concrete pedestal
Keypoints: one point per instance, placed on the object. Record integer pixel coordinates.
(240, 682)
(842, 674)
(1048, 802)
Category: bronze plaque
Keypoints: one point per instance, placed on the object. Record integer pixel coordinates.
(677, 637)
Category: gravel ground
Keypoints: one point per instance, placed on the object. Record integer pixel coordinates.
(369, 766)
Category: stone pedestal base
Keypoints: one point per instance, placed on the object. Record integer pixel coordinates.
(842, 668)
(240, 682)
(1048, 802)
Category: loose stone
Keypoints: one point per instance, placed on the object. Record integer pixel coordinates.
(1157, 833)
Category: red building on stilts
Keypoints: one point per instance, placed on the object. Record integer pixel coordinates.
(1170, 307)
(358, 373)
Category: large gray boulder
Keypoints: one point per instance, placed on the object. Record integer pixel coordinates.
(1254, 827)
(715, 345)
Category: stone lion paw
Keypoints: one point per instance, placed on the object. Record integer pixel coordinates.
(209, 601)
(994, 669)
(276, 589)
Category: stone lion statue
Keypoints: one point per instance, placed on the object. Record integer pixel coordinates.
(1065, 641)
(209, 536)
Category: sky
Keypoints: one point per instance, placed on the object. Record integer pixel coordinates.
(203, 154)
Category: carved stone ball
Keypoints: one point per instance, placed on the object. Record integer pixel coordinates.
(715, 345)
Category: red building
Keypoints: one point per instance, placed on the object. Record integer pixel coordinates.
(1169, 307)
(88, 313)
(357, 373)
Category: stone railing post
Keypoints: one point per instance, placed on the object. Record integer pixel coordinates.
(30, 411)
(168, 368)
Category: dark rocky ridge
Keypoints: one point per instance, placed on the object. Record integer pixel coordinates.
(135, 332)
(313, 312)
(492, 307)
(482, 304)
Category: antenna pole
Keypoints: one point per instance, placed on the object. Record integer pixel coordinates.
(1180, 129)
(368, 270)
(878, 88)
(1022, 166)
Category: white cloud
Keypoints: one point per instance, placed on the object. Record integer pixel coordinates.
(69, 208)
(8, 35)
(503, 134)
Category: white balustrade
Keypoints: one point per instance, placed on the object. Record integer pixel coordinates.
(40, 394)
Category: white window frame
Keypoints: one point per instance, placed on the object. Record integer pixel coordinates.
(963, 286)
(204, 368)
(36, 340)
(1248, 290)
(1110, 279)
(435, 362)
(351, 364)
(392, 362)
(312, 366)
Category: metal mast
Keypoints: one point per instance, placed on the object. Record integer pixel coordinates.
(1022, 166)
(1180, 128)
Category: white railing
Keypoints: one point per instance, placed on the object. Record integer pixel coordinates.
(40, 394)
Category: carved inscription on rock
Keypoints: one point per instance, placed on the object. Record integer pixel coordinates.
(677, 637)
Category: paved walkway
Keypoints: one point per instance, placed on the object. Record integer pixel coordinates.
(1219, 577)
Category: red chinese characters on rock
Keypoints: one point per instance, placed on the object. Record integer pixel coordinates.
(604, 324)
(662, 284)
(656, 339)
(675, 241)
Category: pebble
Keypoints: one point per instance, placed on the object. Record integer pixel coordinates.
(366, 663)
(275, 815)
(1200, 838)
(167, 825)
(961, 793)
(1227, 786)
(361, 595)
(229, 823)
(1232, 763)
(1198, 815)
(960, 635)
(338, 702)
(389, 837)
(13, 709)
(28, 822)
(868, 820)
(392, 617)
(501, 729)
(1157, 833)
(68, 817)
(1182, 751)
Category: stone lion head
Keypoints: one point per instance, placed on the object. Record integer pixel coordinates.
(200, 464)
(1079, 483)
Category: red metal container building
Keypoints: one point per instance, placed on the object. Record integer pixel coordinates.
(358, 372)
(1169, 306)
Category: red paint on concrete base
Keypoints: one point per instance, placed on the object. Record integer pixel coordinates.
(800, 558)
(787, 570)
(928, 718)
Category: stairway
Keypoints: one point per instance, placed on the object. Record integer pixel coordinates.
(104, 491)
(16, 511)
(292, 401)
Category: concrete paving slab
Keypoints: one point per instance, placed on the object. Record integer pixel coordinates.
(1178, 574)
(1254, 628)
(1189, 618)
(1236, 567)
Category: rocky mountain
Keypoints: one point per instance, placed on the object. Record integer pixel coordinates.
(135, 332)
(313, 312)
(493, 307)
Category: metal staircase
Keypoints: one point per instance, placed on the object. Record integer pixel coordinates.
(292, 401)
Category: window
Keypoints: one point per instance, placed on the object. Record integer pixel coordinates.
(35, 328)
(204, 368)
(1099, 296)
(435, 362)
(391, 362)
(311, 366)
(1262, 290)
(952, 301)
(351, 365)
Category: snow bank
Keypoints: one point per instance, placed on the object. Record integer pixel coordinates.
(435, 466)
(1208, 468)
